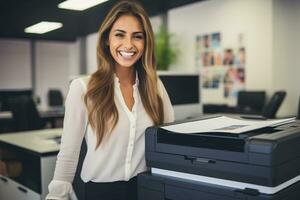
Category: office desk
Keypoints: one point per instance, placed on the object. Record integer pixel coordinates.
(51, 116)
(35, 152)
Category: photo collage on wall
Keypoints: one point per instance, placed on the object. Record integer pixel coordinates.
(221, 68)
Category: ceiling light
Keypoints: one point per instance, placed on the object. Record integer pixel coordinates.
(79, 4)
(43, 27)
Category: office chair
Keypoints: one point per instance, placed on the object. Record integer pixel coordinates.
(55, 98)
(25, 114)
(273, 105)
(270, 109)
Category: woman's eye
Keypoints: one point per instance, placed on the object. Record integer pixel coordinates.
(139, 37)
(119, 35)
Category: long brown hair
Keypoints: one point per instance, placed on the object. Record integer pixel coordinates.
(102, 111)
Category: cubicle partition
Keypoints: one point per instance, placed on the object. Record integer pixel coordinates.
(5, 95)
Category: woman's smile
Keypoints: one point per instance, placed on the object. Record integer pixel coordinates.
(127, 55)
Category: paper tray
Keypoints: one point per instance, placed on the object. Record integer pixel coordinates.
(162, 188)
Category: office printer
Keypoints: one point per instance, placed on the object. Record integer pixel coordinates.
(266, 160)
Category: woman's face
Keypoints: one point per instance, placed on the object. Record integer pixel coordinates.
(126, 41)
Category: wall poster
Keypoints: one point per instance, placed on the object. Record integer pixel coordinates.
(221, 68)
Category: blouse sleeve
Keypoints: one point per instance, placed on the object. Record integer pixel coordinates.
(75, 122)
(168, 109)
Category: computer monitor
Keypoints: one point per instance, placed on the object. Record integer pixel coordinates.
(184, 93)
(251, 102)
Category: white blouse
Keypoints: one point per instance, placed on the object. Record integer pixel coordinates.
(120, 157)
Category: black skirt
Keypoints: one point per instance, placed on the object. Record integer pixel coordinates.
(119, 190)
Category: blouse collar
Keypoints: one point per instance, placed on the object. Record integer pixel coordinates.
(117, 80)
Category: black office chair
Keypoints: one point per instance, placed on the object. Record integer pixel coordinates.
(25, 114)
(55, 98)
(273, 105)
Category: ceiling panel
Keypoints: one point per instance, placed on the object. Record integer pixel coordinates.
(16, 15)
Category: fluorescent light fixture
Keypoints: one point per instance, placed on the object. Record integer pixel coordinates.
(43, 27)
(79, 4)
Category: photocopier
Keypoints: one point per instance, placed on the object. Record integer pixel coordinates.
(259, 164)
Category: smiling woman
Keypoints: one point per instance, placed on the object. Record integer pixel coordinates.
(111, 109)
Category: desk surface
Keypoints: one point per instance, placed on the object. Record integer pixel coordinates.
(43, 114)
(51, 113)
(40, 141)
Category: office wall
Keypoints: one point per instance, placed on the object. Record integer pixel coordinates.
(271, 29)
(15, 64)
(229, 17)
(91, 45)
(56, 62)
(286, 59)
(74, 58)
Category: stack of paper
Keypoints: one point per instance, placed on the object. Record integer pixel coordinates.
(225, 124)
